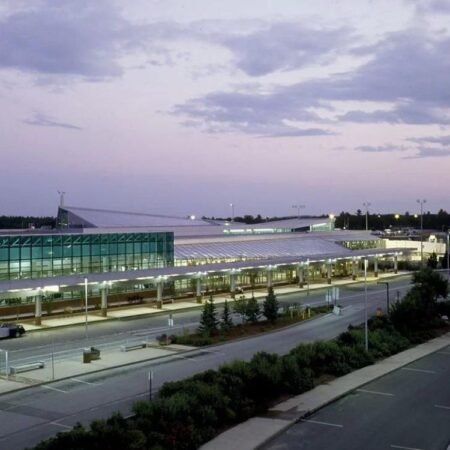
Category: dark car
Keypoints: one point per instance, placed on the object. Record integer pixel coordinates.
(10, 330)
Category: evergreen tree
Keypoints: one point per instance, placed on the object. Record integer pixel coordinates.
(227, 322)
(240, 307)
(270, 306)
(208, 319)
(252, 312)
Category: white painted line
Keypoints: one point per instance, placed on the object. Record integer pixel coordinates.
(417, 370)
(442, 406)
(405, 448)
(387, 394)
(46, 386)
(61, 425)
(323, 423)
(84, 382)
(184, 357)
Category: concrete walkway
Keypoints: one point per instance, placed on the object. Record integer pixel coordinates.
(257, 431)
(167, 308)
(72, 366)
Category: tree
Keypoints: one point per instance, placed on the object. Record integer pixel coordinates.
(240, 307)
(227, 322)
(432, 261)
(252, 312)
(208, 319)
(270, 306)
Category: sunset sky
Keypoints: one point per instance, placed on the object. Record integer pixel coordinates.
(183, 107)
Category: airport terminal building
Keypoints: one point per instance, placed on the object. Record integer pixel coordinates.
(117, 257)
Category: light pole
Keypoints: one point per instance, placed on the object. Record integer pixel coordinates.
(232, 212)
(366, 205)
(387, 294)
(448, 254)
(421, 203)
(86, 309)
(298, 207)
(366, 331)
(6, 363)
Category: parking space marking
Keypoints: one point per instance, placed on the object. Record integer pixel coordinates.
(387, 394)
(337, 425)
(442, 406)
(61, 425)
(46, 386)
(418, 370)
(404, 448)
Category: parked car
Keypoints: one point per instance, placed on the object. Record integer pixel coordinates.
(10, 330)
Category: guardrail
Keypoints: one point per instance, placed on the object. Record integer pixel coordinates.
(26, 367)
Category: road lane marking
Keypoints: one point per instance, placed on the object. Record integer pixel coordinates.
(337, 425)
(61, 425)
(405, 448)
(85, 382)
(442, 406)
(387, 394)
(46, 386)
(418, 370)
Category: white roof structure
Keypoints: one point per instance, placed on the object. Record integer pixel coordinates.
(258, 248)
(103, 220)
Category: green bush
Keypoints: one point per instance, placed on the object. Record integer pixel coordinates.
(295, 378)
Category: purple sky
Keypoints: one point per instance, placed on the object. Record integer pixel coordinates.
(183, 107)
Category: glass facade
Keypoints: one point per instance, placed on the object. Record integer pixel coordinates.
(49, 255)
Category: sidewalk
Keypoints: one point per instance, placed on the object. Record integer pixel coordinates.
(257, 431)
(72, 366)
(170, 308)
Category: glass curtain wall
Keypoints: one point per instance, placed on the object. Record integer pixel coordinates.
(42, 256)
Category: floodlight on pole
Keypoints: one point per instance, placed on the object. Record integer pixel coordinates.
(232, 211)
(366, 205)
(421, 203)
(298, 207)
(366, 331)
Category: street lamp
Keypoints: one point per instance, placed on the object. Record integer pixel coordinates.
(366, 205)
(366, 331)
(331, 218)
(421, 203)
(232, 212)
(448, 253)
(86, 309)
(298, 207)
(6, 362)
(387, 294)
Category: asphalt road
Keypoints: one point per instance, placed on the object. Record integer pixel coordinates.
(26, 417)
(407, 409)
(63, 342)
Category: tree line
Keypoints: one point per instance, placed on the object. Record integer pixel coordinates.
(21, 222)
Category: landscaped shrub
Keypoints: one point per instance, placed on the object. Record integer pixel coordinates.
(295, 378)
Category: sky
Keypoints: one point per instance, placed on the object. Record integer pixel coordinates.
(184, 107)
